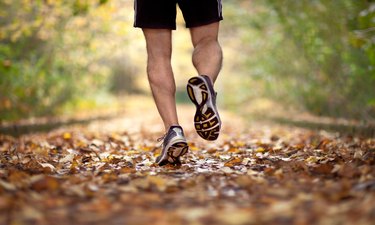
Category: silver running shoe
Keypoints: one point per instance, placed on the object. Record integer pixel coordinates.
(206, 120)
(174, 145)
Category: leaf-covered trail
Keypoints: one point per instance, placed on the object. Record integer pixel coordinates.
(103, 173)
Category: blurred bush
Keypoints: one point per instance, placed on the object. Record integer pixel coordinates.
(123, 77)
(317, 55)
(53, 53)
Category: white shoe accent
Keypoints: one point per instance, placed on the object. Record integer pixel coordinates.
(197, 94)
(178, 131)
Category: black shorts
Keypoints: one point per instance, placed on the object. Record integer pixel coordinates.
(161, 14)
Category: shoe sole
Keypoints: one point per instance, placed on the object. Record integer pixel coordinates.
(173, 153)
(207, 121)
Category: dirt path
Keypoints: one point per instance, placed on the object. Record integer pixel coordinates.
(103, 173)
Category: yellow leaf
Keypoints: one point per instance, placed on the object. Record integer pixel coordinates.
(233, 162)
(311, 159)
(234, 150)
(67, 135)
(193, 148)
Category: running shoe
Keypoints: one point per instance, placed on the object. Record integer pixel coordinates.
(174, 145)
(206, 120)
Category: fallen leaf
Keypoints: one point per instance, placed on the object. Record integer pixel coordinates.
(233, 162)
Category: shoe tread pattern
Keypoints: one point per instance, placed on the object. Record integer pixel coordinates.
(183, 146)
(206, 123)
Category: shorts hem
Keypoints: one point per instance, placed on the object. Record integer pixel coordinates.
(155, 27)
(198, 24)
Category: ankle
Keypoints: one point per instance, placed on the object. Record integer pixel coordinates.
(169, 126)
(212, 80)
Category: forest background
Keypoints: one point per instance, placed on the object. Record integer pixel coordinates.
(58, 57)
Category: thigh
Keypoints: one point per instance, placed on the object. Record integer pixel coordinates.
(209, 31)
(157, 14)
(158, 43)
(200, 12)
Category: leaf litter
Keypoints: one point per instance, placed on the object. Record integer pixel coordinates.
(104, 173)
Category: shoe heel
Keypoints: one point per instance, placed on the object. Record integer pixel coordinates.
(178, 149)
(197, 83)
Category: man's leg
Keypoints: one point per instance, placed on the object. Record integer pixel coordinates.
(160, 74)
(207, 55)
(207, 59)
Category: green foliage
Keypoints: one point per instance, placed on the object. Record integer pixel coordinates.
(339, 77)
(315, 54)
(123, 80)
(48, 55)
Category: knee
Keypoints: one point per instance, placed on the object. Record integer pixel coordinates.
(158, 68)
(160, 84)
(154, 72)
(206, 41)
(159, 74)
(208, 45)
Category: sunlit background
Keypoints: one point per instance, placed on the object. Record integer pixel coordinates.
(280, 57)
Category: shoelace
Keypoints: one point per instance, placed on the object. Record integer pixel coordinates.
(161, 139)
